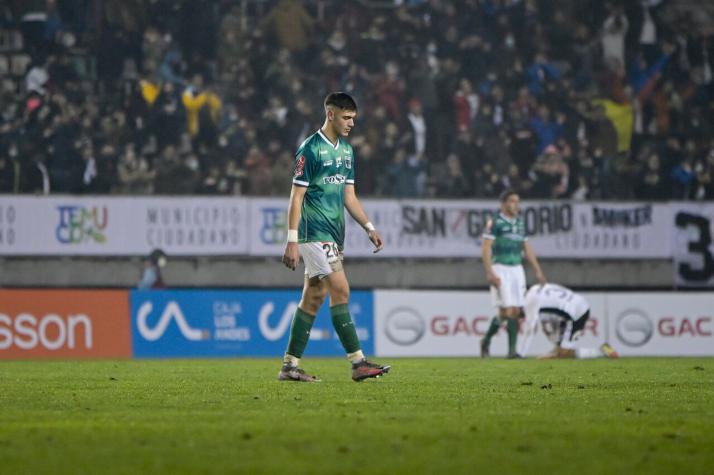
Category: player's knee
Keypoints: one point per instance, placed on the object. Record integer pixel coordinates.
(319, 298)
(312, 304)
(313, 300)
(339, 296)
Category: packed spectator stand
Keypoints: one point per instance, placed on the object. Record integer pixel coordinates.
(563, 99)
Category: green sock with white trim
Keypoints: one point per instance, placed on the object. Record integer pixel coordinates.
(345, 328)
(300, 332)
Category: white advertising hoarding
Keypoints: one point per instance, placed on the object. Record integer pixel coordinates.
(448, 228)
(68, 225)
(92, 225)
(662, 324)
(603, 230)
(445, 323)
(557, 228)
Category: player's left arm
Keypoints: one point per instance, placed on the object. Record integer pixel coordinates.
(354, 207)
(532, 312)
(533, 261)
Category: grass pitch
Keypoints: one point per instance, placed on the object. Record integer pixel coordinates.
(427, 416)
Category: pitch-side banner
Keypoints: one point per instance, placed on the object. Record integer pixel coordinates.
(662, 324)
(438, 323)
(442, 323)
(67, 225)
(422, 228)
(70, 225)
(64, 324)
(203, 323)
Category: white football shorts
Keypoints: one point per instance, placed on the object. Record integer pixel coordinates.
(321, 258)
(512, 292)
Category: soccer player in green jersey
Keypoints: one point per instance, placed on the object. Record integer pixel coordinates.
(504, 244)
(323, 185)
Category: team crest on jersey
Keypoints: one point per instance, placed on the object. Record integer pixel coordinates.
(299, 166)
(348, 162)
(339, 161)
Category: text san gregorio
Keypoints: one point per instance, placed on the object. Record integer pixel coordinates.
(469, 223)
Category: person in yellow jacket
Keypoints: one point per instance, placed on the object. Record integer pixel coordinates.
(622, 117)
(149, 91)
(194, 99)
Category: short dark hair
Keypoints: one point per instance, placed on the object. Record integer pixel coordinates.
(342, 100)
(505, 194)
(156, 254)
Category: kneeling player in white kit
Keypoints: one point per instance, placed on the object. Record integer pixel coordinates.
(563, 315)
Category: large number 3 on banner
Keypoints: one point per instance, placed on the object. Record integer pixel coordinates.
(697, 247)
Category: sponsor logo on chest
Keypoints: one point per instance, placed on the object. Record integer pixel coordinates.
(513, 236)
(334, 179)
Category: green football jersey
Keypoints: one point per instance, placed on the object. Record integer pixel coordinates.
(324, 169)
(508, 236)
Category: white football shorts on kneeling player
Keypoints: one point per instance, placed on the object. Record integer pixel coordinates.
(321, 258)
(512, 292)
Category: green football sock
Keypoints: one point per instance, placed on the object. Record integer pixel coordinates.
(300, 332)
(345, 328)
(492, 329)
(512, 328)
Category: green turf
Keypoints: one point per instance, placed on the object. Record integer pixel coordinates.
(427, 416)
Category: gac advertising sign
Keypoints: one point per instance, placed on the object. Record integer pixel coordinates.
(442, 323)
(666, 324)
(64, 324)
(187, 323)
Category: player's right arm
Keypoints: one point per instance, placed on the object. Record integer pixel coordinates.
(305, 164)
(291, 256)
(533, 261)
(487, 255)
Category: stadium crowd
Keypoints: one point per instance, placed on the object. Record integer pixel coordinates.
(553, 98)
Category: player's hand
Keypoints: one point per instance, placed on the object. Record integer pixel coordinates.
(540, 276)
(376, 240)
(291, 256)
(493, 279)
